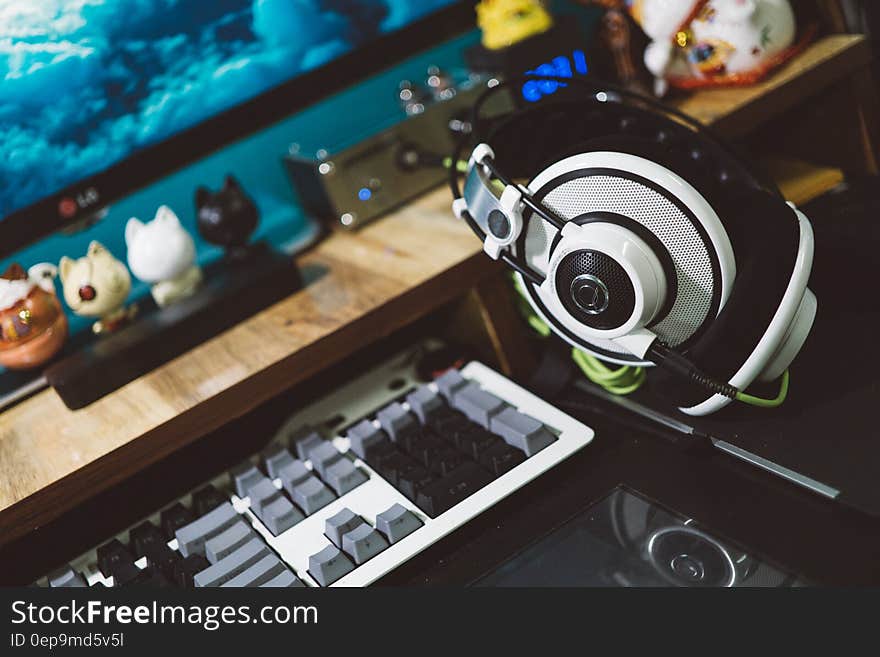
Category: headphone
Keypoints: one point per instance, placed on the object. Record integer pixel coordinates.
(640, 238)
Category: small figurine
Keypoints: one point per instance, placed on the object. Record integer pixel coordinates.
(163, 254)
(617, 37)
(33, 326)
(506, 22)
(700, 43)
(97, 285)
(228, 217)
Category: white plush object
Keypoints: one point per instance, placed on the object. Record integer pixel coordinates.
(163, 253)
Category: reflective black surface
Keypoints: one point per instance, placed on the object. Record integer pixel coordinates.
(627, 540)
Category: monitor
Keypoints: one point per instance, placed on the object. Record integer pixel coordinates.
(100, 97)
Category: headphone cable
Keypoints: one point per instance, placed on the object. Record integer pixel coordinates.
(664, 356)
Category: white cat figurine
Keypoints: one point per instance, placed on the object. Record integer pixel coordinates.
(702, 43)
(163, 253)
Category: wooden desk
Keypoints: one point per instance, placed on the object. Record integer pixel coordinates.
(359, 287)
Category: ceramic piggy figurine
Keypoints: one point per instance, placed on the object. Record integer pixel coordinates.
(33, 326)
(163, 254)
(97, 285)
(228, 217)
(698, 43)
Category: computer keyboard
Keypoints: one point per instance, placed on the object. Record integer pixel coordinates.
(328, 507)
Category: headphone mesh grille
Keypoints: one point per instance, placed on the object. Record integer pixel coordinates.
(693, 264)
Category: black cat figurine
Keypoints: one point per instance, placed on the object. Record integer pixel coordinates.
(228, 217)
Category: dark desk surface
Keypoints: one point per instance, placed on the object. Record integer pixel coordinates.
(823, 542)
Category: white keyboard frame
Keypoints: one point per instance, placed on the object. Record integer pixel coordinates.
(360, 398)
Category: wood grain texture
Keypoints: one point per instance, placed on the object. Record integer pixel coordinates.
(801, 182)
(359, 287)
(739, 110)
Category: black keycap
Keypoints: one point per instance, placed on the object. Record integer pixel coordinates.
(426, 447)
(207, 499)
(391, 464)
(451, 425)
(445, 461)
(186, 569)
(149, 578)
(147, 541)
(445, 493)
(477, 442)
(501, 458)
(413, 480)
(144, 538)
(115, 561)
(406, 441)
(175, 517)
(375, 452)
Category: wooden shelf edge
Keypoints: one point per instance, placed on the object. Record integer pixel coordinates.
(799, 181)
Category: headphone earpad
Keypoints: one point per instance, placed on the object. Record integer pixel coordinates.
(764, 270)
(765, 237)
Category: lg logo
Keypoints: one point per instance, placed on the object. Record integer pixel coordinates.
(69, 206)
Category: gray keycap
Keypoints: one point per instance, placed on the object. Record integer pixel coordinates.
(275, 458)
(397, 522)
(265, 570)
(450, 383)
(304, 439)
(191, 538)
(363, 543)
(362, 436)
(343, 522)
(312, 495)
(280, 515)
(66, 577)
(477, 404)
(244, 476)
(329, 565)
(343, 476)
(228, 542)
(396, 421)
(262, 494)
(323, 456)
(285, 580)
(521, 431)
(233, 564)
(293, 474)
(424, 402)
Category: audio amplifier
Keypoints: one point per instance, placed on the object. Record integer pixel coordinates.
(355, 185)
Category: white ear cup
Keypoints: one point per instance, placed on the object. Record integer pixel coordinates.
(604, 298)
(787, 332)
(662, 204)
(794, 339)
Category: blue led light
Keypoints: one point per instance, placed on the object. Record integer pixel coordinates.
(560, 67)
(580, 62)
(365, 194)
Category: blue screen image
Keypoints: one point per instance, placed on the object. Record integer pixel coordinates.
(84, 84)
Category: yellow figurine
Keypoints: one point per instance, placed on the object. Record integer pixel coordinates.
(506, 22)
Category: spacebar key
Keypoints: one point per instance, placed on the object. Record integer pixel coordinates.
(459, 484)
(233, 564)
